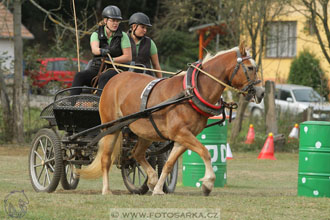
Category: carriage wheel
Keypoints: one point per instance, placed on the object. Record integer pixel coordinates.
(45, 162)
(69, 180)
(135, 178)
(172, 177)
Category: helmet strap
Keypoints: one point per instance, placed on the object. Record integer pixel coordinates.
(137, 37)
(106, 25)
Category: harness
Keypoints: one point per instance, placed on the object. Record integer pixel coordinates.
(144, 100)
(197, 101)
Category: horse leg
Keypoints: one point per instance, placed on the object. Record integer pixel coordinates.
(177, 150)
(188, 140)
(109, 143)
(139, 155)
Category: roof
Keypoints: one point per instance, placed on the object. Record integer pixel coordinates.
(6, 25)
(218, 26)
(292, 86)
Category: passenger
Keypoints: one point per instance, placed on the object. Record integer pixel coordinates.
(107, 39)
(144, 49)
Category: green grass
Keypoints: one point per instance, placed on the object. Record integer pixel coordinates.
(256, 189)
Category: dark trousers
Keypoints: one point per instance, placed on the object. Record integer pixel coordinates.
(105, 77)
(83, 78)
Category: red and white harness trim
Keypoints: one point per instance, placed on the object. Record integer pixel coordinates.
(197, 94)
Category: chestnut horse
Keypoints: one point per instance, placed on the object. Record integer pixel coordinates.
(179, 123)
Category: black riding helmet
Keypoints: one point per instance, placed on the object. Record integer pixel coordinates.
(139, 18)
(112, 11)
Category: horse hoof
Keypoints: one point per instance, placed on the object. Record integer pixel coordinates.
(206, 191)
(108, 192)
(159, 193)
(151, 187)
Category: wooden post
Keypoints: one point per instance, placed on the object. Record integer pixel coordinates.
(237, 124)
(270, 110)
(201, 41)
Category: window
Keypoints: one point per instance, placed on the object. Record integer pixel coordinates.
(284, 95)
(281, 39)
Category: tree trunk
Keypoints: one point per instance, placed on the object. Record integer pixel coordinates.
(6, 111)
(18, 125)
(237, 124)
(270, 110)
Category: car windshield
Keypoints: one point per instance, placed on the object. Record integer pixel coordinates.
(306, 95)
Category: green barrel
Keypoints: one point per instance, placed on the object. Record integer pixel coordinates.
(214, 138)
(314, 159)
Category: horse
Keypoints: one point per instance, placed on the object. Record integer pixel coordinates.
(179, 122)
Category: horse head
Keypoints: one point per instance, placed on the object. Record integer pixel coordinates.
(243, 74)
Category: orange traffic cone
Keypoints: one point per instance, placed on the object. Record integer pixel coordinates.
(229, 153)
(250, 135)
(294, 134)
(267, 152)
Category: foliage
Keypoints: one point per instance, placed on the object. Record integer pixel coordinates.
(306, 70)
(32, 123)
(177, 48)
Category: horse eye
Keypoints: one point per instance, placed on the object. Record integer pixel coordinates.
(250, 68)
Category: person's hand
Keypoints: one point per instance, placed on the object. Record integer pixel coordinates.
(104, 52)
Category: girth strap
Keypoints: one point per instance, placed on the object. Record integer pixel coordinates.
(146, 92)
(144, 100)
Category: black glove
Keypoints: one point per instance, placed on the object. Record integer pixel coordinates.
(104, 52)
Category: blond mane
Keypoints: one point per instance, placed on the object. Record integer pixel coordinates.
(209, 57)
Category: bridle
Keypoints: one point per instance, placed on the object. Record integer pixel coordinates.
(248, 89)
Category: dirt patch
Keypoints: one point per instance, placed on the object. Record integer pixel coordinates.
(14, 150)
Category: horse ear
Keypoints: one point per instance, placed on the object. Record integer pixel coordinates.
(242, 48)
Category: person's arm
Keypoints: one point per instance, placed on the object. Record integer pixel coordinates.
(156, 65)
(95, 44)
(154, 58)
(125, 58)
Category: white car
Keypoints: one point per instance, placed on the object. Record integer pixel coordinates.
(295, 99)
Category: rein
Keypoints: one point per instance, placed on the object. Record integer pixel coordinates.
(141, 68)
(218, 81)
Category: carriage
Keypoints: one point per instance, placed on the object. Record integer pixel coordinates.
(70, 141)
(155, 110)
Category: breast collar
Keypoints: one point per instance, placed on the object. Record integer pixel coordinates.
(198, 102)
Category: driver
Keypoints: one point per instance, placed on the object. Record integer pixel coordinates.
(108, 39)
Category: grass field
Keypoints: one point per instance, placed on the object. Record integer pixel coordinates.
(256, 189)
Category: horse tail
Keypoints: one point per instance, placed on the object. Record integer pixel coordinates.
(94, 170)
(115, 156)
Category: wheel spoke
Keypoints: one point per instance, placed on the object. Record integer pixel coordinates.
(42, 147)
(37, 165)
(134, 173)
(50, 160)
(43, 167)
(47, 174)
(51, 167)
(141, 171)
(35, 152)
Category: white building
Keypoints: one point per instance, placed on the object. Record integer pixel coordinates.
(7, 38)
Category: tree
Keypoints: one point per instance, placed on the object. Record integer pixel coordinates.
(13, 114)
(18, 125)
(316, 12)
(306, 70)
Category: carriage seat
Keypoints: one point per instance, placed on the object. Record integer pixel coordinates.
(77, 113)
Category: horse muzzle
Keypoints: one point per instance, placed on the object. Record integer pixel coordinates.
(259, 94)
